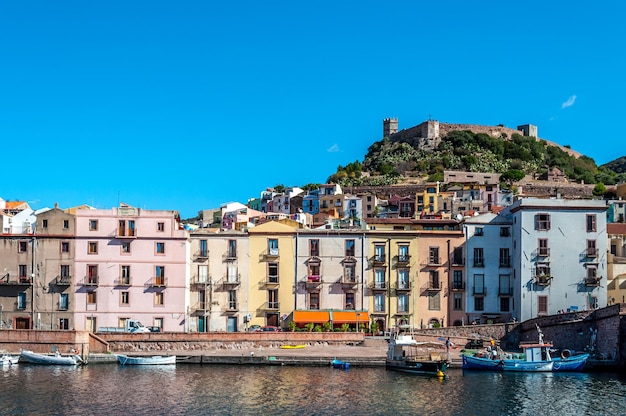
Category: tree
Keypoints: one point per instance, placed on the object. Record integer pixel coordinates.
(599, 189)
(511, 176)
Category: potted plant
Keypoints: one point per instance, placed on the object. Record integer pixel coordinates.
(292, 326)
(309, 327)
(345, 327)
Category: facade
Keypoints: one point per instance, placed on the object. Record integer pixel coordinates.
(131, 263)
(559, 255)
(616, 211)
(18, 305)
(616, 264)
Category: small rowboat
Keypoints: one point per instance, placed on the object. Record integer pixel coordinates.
(149, 360)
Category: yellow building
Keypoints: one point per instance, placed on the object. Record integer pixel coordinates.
(272, 277)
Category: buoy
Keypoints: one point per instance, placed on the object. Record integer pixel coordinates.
(566, 354)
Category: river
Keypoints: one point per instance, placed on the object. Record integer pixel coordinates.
(274, 390)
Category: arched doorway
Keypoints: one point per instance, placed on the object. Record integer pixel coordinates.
(381, 325)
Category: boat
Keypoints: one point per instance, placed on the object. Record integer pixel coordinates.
(535, 357)
(9, 359)
(146, 360)
(340, 364)
(50, 359)
(292, 347)
(407, 355)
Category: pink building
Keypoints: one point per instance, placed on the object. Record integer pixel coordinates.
(130, 263)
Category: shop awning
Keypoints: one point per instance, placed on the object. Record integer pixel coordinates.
(305, 317)
(349, 317)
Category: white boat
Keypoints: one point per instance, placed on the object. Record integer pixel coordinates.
(9, 360)
(147, 360)
(49, 359)
(406, 355)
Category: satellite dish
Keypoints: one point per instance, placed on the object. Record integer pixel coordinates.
(459, 217)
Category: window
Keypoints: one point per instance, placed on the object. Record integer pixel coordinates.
(159, 275)
(158, 322)
(160, 226)
(433, 279)
(479, 257)
(232, 300)
(65, 271)
(505, 257)
(21, 300)
(505, 304)
(542, 305)
(379, 302)
(349, 248)
(434, 301)
(92, 274)
(457, 280)
(479, 303)
(44, 224)
(64, 323)
(593, 302)
(65, 247)
(92, 247)
(505, 231)
(159, 298)
(22, 271)
(542, 222)
(91, 297)
(403, 253)
(314, 248)
(125, 274)
(505, 285)
(314, 301)
(93, 225)
(457, 256)
(592, 251)
(272, 272)
(272, 299)
(66, 224)
(379, 279)
(457, 304)
(403, 279)
(272, 244)
(433, 255)
(232, 249)
(125, 247)
(591, 223)
(479, 284)
(160, 248)
(379, 253)
(479, 232)
(543, 249)
(349, 272)
(350, 305)
(22, 246)
(124, 298)
(403, 303)
(203, 252)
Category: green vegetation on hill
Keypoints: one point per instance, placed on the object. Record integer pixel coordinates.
(389, 162)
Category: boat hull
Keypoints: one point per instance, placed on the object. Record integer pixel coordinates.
(478, 363)
(340, 364)
(429, 368)
(44, 359)
(572, 363)
(153, 360)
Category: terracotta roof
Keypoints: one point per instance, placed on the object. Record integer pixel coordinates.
(616, 228)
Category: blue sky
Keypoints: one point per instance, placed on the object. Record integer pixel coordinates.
(189, 104)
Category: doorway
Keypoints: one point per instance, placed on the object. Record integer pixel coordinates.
(272, 319)
(232, 324)
(22, 323)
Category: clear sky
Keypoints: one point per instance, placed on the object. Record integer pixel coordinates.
(189, 104)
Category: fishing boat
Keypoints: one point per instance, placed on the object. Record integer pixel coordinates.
(9, 360)
(340, 364)
(146, 360)
(535, 357)
(49, 359)
(407, 355)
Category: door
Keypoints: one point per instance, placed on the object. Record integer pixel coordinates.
(22, 323)
(272, 319)
(232, 324)
(201, 324)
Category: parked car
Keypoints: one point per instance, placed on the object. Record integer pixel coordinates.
(254, 328)
(155, 328)
(270, 329)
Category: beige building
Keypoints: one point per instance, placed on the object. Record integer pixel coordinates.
(616, 263)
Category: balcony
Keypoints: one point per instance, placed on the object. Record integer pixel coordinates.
(592, 281)
(20, 281)
(232, 306)
(349, 281)
(313, 280)
(231, 281)
(479, 263)
(403, 260)
(229, 256)
(123, 281)
(271, 253)
(479, 291)
(200, 307)
(91, 281)
(378, 286)
(270, 306)
(458, 286)
(201, 255)
(157, 282)
(505, 291)
(403, 286)
(270, 281)
(379, 260)
(543, 252)
(458, 261)
(505, 262)
(431, 287)
(543, 279)
(591, 252)
(123, 233)
(63, 280)
(434, 261)
(200, 282)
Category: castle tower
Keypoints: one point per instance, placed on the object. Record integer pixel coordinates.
(390, 126)
(528, 130)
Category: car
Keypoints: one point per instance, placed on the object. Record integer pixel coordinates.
(154, 328)
(270, 329)
(254, 328)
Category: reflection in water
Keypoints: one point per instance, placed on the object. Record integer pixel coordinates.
(269, 390)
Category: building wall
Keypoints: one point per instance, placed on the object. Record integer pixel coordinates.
(151, 300)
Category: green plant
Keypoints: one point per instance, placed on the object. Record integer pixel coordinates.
(326, 327)
(317, 328)
(309, 327)
(345, 327)
(292, 326)
(374, 327)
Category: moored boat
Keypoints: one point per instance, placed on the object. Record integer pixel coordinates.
(146, 360)
(9, 359)
(49, 359)
(340, 364)
(404, 355)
